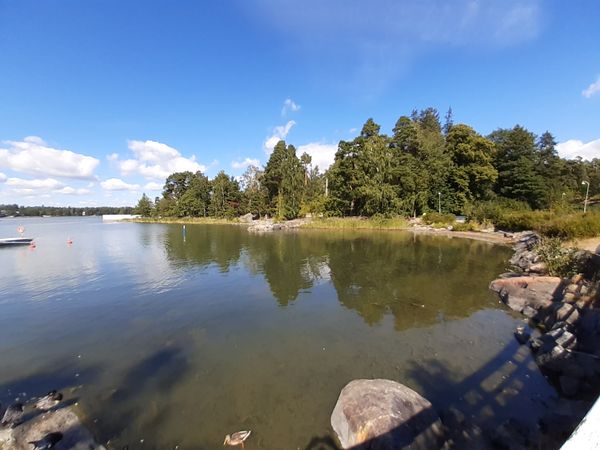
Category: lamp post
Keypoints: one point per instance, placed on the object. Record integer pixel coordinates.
(439, 202)
(587, 191)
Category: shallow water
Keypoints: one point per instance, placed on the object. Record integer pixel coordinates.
(179, 340)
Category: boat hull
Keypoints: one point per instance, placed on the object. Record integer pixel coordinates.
(5, 242)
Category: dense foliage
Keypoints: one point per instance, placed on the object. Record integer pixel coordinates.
(423, 167)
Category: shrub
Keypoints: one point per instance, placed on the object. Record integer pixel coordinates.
(523, 220)
(470, 225)
(434, 218)
(561, 261)
(494, 210)
(571, 226)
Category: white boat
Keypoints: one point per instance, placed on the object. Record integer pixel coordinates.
(15, 241)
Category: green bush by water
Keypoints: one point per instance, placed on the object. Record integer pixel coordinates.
(561, 260)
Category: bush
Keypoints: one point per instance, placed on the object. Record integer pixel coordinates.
(523, 220)
(572, 226)
(470, 225)
(494, 210)
(434, 218)
(561, 261)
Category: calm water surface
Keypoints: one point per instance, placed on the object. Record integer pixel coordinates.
(179, 341)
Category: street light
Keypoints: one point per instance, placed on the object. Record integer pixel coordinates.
(586, 195)
(439, 202)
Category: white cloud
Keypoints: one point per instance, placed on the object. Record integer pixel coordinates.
(2, 177)
(322, 155)
(155, 160)
(40, 187)
(592, 89)
(45, 184)
(153, 186)
(112, 157)
(279, 133)
(245, 163)
(68, 190)
(573, 148)
(116, 184)
(289, 105)
(353, 130)
(33, 156)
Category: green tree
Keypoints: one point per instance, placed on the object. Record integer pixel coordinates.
(283, 179)
(195, 200)
(516, 163)
(472, 175)
(145, 207)
(225, 196)
(254, 195)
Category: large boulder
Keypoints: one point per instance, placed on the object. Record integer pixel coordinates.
(63, 420)
(384, 415)
(528, 294)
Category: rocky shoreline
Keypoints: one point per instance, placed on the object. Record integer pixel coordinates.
(562, 317)
(565, 311)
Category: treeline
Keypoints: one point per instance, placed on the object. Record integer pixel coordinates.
(26, 211)
(423, 166)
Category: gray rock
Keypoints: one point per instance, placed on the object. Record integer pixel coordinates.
(246, 218)
(511, 435)
(521, 335)
(572, 288)
(535, 292)
(539, 267)
(384, 415)
(564, 311)
(588, 331)
(562, 337)
(569, 385)
(64, 420)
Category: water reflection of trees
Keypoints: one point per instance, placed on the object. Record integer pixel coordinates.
(418, 279)
(205, 245)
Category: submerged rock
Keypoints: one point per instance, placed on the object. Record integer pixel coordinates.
(384, 415)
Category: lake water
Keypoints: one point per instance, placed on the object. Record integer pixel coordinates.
(169, 341)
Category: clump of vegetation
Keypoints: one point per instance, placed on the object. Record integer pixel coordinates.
(377, 222)
(494, 210)
(561, 260)
(439, 220)
(472, 225)
(571, 226)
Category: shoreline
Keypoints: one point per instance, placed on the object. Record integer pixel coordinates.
(268, 225)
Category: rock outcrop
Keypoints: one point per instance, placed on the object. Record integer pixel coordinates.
(63, 420)
(563, 309)
(267, 225)
(384, 415)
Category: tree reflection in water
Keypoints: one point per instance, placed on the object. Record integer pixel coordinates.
(418, 279)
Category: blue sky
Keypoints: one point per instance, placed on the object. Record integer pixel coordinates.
(100, 99)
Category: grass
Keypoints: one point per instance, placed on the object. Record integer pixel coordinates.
(553, 224)
(357, 223)
(198, 220)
